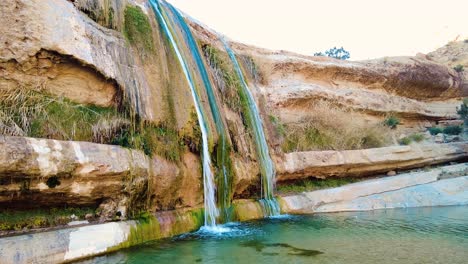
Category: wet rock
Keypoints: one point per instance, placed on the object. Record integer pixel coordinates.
(75, 223)
(439, 138)
(391, 173)
(89, 216)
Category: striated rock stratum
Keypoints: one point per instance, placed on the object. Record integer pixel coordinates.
(142, 153)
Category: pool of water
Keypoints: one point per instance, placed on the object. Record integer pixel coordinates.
(420, 235)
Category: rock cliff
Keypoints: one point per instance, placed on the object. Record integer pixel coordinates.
(90, 53)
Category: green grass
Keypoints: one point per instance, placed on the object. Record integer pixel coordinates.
(311, 184)
(137, 29)
(35, 113)
(39, 218)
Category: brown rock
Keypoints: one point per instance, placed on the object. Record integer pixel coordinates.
(323, 164)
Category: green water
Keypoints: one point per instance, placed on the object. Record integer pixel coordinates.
(422, 235)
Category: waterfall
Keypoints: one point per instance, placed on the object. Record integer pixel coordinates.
(268, 202)
(171, 22)
(211, 211)
(224, 178)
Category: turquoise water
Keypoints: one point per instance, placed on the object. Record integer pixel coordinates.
(421, 235)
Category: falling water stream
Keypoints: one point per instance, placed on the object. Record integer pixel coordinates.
(269, 204)
(211, 211)
(223, 148)
(171, 22)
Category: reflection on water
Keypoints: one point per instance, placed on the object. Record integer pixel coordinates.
(420, 235)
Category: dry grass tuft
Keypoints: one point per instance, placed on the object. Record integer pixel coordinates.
(332, 128)
(106, 129)
(18, 108)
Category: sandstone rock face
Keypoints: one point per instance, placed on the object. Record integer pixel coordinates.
(29, 27)
(453, 54)
(329, 200)
(40, 172)
(60, 76)
(450, 192)
(409, 87)
(323, 164)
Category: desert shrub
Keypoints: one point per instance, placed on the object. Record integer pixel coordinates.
(405, 141)
(435, 130)
(412, 138)
(453, 130)
(417, 137)
(462, 111)
(459, 68)
(332, 128)
(337, 53)
(392, 122)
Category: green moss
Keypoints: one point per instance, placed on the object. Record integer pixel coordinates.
(224, 179)
(137, 29)
(145, 230)
(307, 185)
(153, 140)
(39, 218)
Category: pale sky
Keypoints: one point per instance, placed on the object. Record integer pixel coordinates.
(366, 28)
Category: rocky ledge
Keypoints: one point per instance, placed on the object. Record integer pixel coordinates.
(438, 187)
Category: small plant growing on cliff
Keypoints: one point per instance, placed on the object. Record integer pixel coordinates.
(453, 130)
(392, 122)
(459, 68)
(412, 138)
(435, 130)
(137, 29)
(337, 53)
(462, 111)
